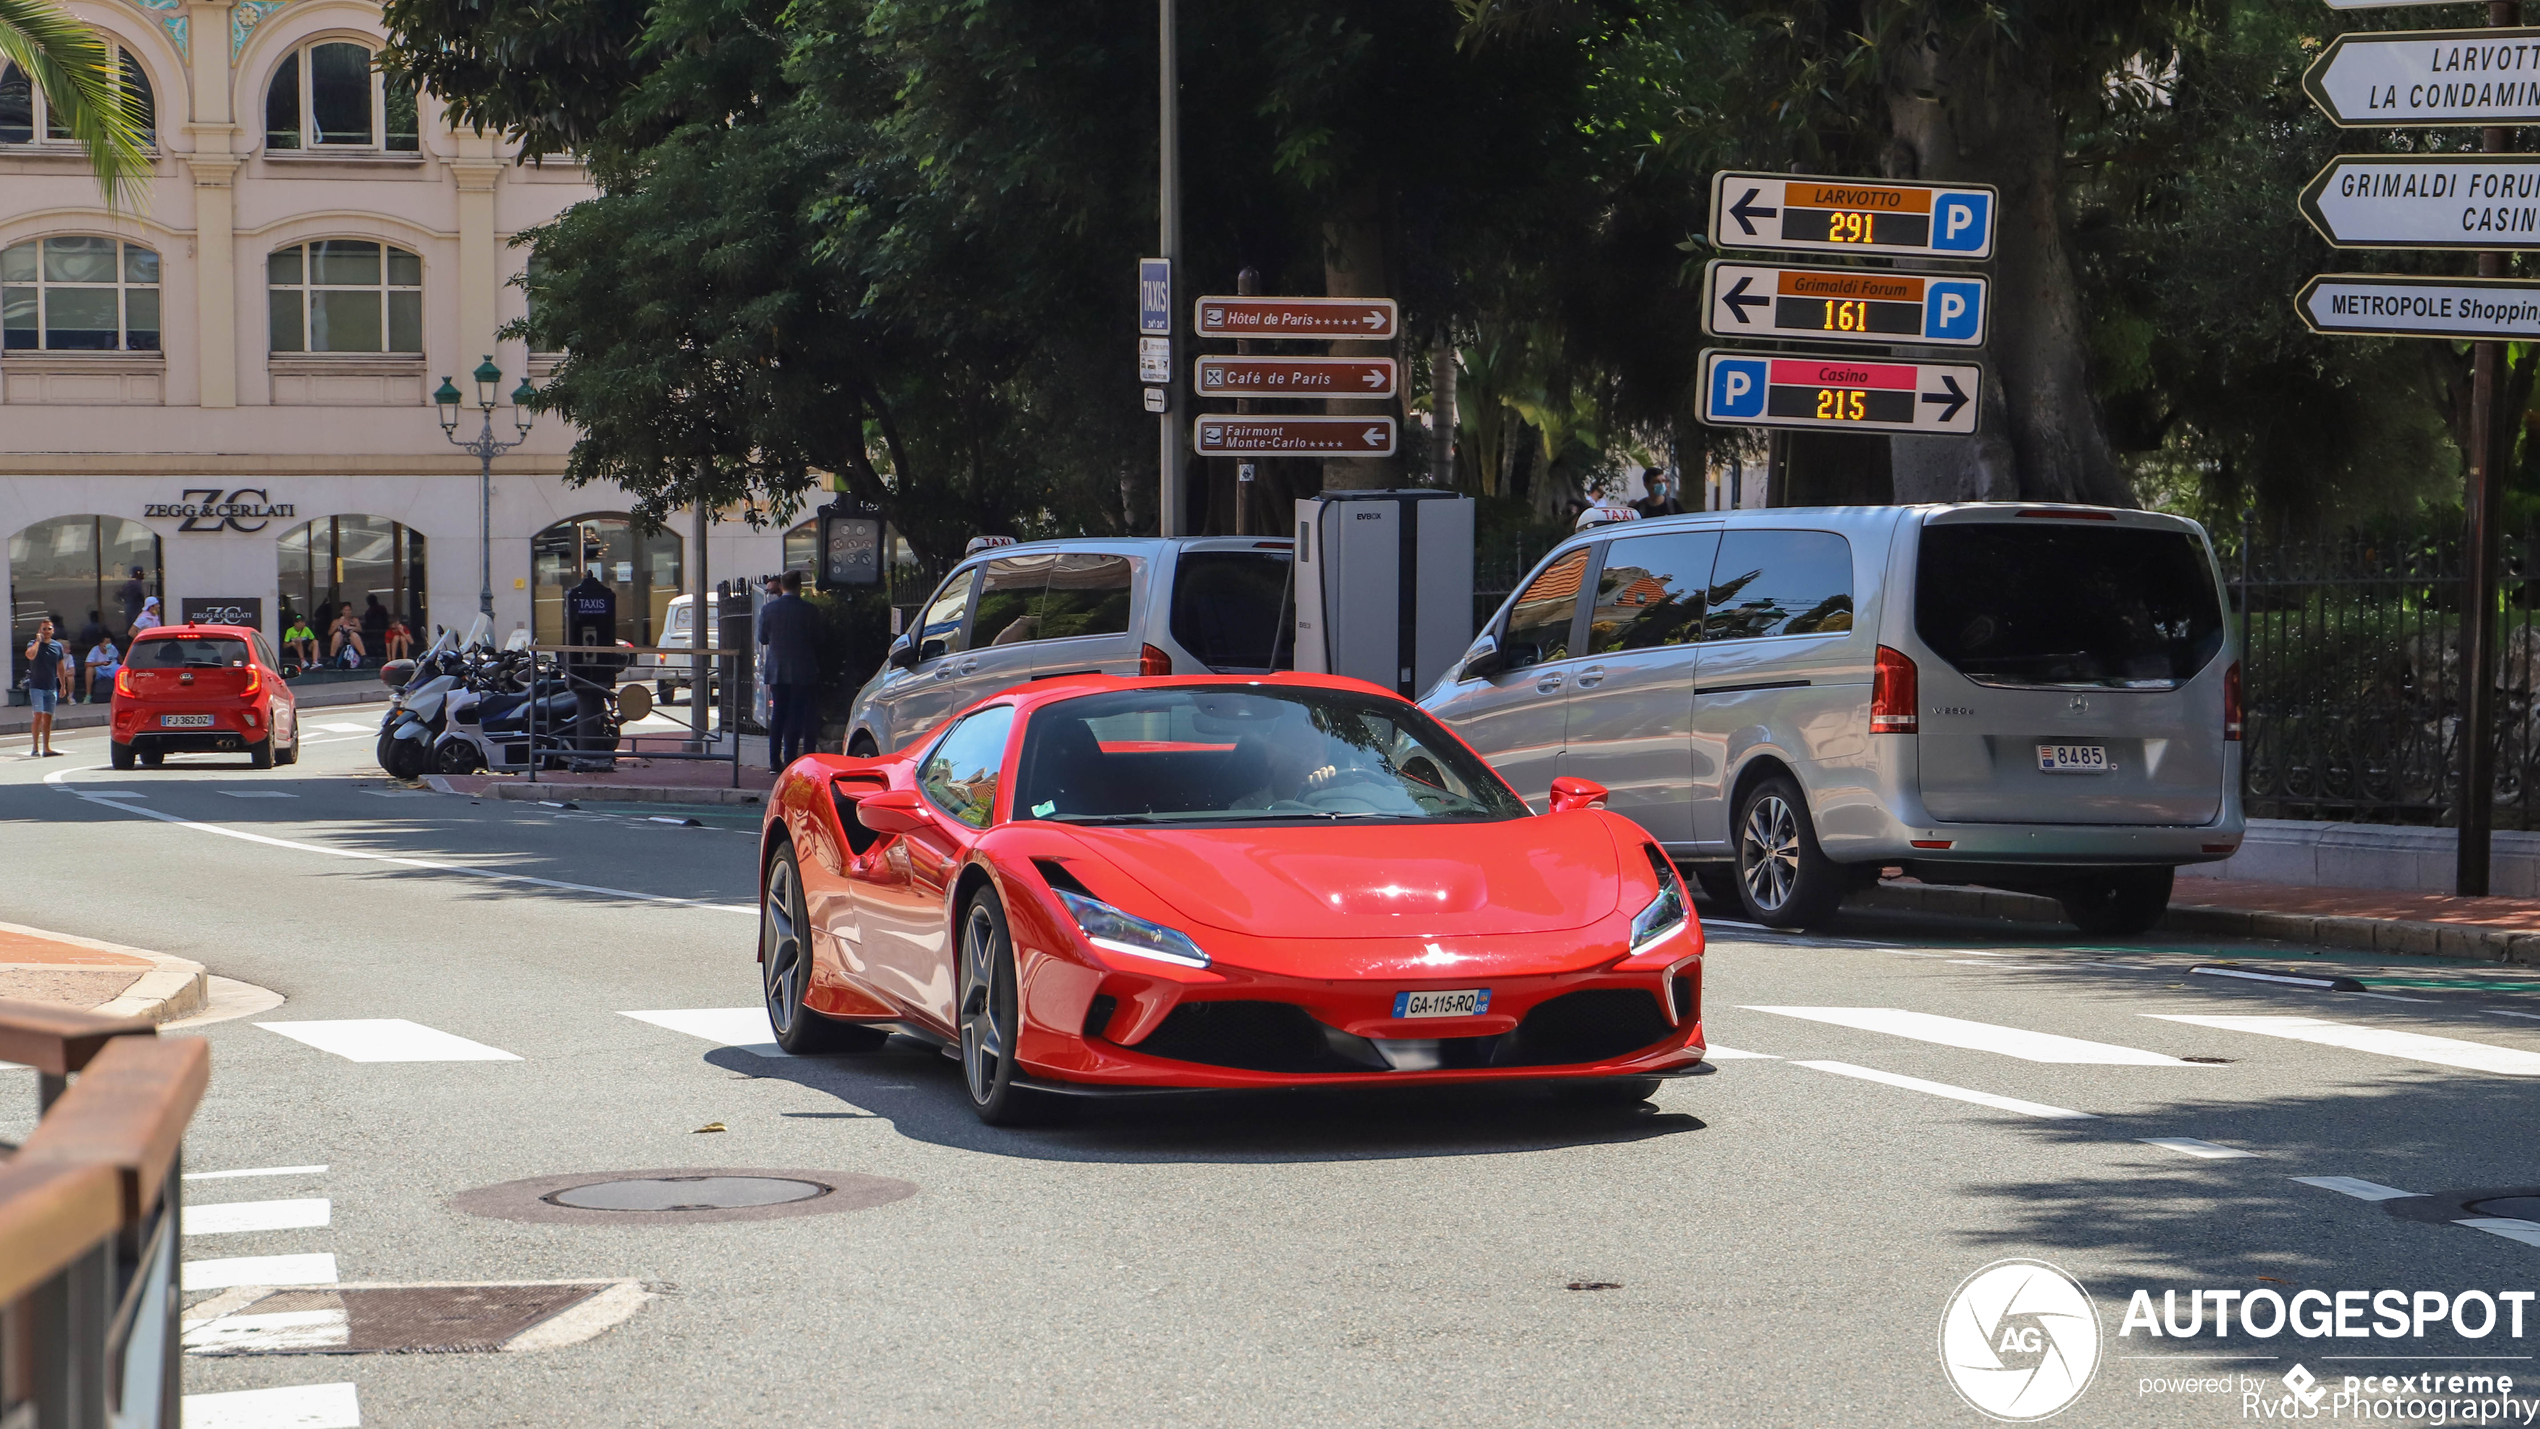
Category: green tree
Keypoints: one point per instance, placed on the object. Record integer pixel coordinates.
(75, 68)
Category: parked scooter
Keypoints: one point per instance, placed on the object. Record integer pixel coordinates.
(418, 712)
(490, 730)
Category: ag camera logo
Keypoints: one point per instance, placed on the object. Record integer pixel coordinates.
(2020, 1340)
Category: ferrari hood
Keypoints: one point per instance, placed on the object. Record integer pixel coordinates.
(1532, 875)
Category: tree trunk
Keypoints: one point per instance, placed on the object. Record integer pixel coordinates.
(1442, 410)
(1965, 109)
(1354, 267)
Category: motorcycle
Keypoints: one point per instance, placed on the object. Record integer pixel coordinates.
(490, 726)
(418, 712)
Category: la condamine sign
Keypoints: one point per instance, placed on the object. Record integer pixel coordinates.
(206, 509)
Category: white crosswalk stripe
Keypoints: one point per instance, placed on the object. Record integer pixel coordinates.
(1943, 1089)
(256, 1171)
(387, 1039)
(742, 1027)
(231, 1217)
(2511, 1228)
(1981, 1036)
(222, 1272)
(2380, 1041)
(1716, 1052)
(2190, 1146)
(300, 1406)
(2357, 1187)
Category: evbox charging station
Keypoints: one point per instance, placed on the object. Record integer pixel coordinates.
(1384, 585)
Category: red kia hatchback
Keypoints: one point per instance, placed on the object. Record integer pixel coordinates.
(203, 689)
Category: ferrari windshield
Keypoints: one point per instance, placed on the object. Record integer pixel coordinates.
(1251, 753)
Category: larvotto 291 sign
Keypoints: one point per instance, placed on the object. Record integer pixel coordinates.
(205, 510)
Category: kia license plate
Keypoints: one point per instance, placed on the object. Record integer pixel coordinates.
(1462, 1002)
(202, 721)
(2074, 759)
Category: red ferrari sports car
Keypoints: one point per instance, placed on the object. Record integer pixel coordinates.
(1099, 883)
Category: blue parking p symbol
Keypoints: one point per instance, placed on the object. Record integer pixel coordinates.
(1953, 312)
(1960, 222)
(1737, 389)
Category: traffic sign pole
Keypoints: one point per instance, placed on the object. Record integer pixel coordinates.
(2478, 613)
(1169, 516)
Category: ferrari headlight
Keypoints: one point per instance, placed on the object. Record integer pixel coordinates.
(1113, 931)
(1666, 912)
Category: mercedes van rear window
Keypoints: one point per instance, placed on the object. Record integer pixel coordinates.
(2055, 603)
(1233, 610)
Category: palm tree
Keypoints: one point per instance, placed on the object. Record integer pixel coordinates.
(82, 87)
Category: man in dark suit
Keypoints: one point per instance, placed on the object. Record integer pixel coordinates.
(789, 627)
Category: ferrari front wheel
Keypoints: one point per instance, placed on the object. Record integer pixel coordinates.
(990, 1015)
(784, 954)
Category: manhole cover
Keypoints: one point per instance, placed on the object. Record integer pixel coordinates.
(681, 1195)
(2522, 1208)
(687, 1193)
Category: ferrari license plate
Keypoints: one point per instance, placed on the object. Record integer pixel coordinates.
(2073, 759)
(201, 721)
(1461, 1002)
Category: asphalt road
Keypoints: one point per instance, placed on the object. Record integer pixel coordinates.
(1780, 1237)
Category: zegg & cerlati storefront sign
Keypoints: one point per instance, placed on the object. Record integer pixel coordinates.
(206, 509)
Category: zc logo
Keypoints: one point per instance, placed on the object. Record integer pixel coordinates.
(204, 510)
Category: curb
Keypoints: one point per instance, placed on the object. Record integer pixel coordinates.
(174, 987)
(2372, 935)
(17, 719)
(595, 793)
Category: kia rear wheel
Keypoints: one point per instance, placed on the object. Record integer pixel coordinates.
(119, 755)
(1784, 879)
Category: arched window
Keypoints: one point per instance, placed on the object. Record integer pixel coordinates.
(642, 566)
(78, 293)
(345, 295)
(24, 114)
(327, 95)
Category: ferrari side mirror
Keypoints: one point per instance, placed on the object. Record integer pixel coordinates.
(894, 811)
(1570, 792)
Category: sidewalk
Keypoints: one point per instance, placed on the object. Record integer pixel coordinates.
(634, 780)
(112, 981)
(2503, 930)
(17, 719)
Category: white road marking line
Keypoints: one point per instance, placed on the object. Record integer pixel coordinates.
(2324, 983)
(271, 1333)
(301, 1406)
(1733, 923)
(1981, 1036)
(1903, 953)
(2015, 967)
(347, 728)
(2500, 1012)
(2356, 1187)
(255, 1171)
(397, 793)
(2511, 1228)
(110, 800)
(1943, 1089)
(222, 1272)
(2190, 1146)
(2393, 997)
(2380, 1041)
(1714, 1052)
(254, 794)
(233, 1216)
(742, 1027)
(387, 1039)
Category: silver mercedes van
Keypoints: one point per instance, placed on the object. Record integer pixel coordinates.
(1131, 606)
(2041, 698)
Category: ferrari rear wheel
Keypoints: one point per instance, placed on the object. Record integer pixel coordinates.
(784, 947)
(990, 1015)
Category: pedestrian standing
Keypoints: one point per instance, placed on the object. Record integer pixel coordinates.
(789, 627)
(148, 619)
(103, 661)
(47, 667)
(128, 599)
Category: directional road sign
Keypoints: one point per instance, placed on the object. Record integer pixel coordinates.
(1293, 377)
(1292, 436)
(1846, 304)
(1741, 389)
(1155, 297)
(1851, 215)
(2427, 201)
(1298, 317)
(2386, 305)
(2429, 77)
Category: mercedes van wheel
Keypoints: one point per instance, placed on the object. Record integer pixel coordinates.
(2119, 904)
(1784, 879)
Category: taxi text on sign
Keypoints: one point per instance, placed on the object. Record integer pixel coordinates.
(2393, 305)
(1842, 304)
(2428, 77)
(1155, 297)
(2427, 201)
(1741, 389)
(1823, 215)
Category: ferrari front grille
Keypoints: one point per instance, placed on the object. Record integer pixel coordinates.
(1592, 1025)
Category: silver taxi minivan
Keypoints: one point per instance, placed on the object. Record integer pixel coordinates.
(1008, 614)
(2041, 698)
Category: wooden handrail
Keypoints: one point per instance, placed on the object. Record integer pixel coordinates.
(49, 1217)
(127, 1111)
(57, 1041)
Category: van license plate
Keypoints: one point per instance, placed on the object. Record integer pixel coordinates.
(1463, 1002)
(2074, 759)
(201, 721)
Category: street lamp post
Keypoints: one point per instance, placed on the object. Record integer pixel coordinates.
(485, 446)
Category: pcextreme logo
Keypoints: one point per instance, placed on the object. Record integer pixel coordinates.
(2020, 1340)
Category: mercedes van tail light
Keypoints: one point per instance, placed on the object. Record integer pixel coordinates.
(1892, 694)
(2231, 702)
(1152, 661)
